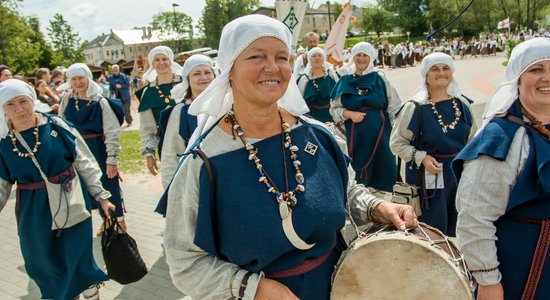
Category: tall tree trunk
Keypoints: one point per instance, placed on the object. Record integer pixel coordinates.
(503, 7)
(519, 14)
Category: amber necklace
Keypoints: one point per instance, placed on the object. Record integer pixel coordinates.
(536, 124)
(36, 144)
(159, 91)
(76, 99)
(315, 83)
(452, 125)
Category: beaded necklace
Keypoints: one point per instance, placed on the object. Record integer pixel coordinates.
(536, 124)
(75, 97)
(446, 127)
(315, 83)
(36, 144)
(159, 91)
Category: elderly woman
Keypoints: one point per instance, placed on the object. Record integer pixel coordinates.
(316, 84)
(263, 224)
(95, 119)
(196, 76)
(154, 97)
(60, 261)
(503, 197)
(5, 73)
(430, 136)
(367, 103)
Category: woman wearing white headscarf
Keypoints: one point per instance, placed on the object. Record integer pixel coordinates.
(443, 123)
(316, 84)
(263, 224)
(503, 197)
(60, 261)
(367, 102)
(154, 97)
(177, 125)
(95, 118)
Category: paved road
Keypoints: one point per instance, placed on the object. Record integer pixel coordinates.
(478, 77)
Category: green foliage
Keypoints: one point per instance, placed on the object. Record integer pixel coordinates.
(377, 19)
(217, 13)
(65, 42)
(178, 25)
(510, 44)
(410, 14)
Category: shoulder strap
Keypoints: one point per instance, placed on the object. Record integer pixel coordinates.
(520, 122)
(31, 154)
(469, 100)
(419, 140)
(300, 77)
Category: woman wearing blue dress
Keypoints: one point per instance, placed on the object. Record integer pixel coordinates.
(60, 261)
(316, 84)
(265, 226)
(367, 103)
(94, 118)
(196, 76)
(503, 197)
(446, 126)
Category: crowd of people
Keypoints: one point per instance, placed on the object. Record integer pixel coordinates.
(260, 160)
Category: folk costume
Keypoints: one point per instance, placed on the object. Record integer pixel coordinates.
(368, 141)
(60, 261)
(220, 246)
(504, 193)
(445, 128)
(154, 98)
(316, 90)
(177, 124)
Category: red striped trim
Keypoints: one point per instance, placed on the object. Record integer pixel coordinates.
(42, 185)
(302, 268)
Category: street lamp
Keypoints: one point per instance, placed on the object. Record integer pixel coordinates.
(329, 23)
(175, 25)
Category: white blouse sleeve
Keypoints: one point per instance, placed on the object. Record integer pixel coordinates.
(172, 146)
(394, 101)
(111, 130)
(401, 136)
(336, 110)
(148, 133)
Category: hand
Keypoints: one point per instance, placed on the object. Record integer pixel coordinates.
(112, 171)
(354, 116)
(270, 289)
(152, 165)
(402, 216)
(106, 205)
(431, 164)
(490, 292)
(118, 85)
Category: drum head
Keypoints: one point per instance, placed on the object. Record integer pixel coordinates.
(393, 265)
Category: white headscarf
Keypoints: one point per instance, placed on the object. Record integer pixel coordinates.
(420, 95)
(361, 47)
(523, 56)
(315, 50)
(236, 36)
(178, 91)
(10, 89)
(151, 74)
(80, 69)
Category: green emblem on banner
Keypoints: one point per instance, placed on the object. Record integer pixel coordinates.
(291, 20)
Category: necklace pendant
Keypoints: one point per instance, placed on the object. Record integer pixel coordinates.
(360, 92)
(284, 211)
(444, 129)
(166, 100)
(290, 233)
(452, 126)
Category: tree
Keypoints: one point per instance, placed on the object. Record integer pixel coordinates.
(377, 19)
(177, 27)
(65, 42)
(238, 8)
(45, 50)
(410, 14)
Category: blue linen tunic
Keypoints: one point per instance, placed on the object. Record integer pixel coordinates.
(318, 98)
(60, 262)
(89, 120)
(529, 199)
(438, 205)
(368, 141)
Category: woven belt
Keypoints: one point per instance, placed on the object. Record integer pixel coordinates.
(302, 268)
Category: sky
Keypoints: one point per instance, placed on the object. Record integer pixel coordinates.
(91, 18)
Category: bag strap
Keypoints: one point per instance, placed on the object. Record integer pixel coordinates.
(31, 154)
(419, 140)
(520, 122)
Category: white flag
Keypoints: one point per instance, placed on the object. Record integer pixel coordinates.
(292, 13)
(504, 23)
(334, 46)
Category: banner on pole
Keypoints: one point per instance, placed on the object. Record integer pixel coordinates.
(292, 13)
(504, 23)
(334, 47)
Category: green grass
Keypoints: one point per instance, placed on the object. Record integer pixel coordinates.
(130, 159)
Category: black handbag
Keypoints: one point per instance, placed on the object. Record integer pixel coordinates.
(120, 253)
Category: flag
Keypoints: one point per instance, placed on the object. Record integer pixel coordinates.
(334, 47)
(292, 13)
(504, 23)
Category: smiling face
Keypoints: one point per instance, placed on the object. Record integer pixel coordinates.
(317, 60)
(162, 64)
(79, 84)
(199, 79)
(439, 76)
(19, 109)
(260, 75)
(361, 61)
(534, 87)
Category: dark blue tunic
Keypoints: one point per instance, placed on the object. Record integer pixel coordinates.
(249, 225)
(61, 263)
(518, 231)
(317, 96)
(438, 205)
(368, 141)
(188, 122)
(88, 120)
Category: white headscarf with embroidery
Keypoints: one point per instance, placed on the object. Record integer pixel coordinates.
(236, 36)
(420, 95)
(151, 74)
(178, 91)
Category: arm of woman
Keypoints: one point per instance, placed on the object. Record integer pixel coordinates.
(63, 106)
(482, 197)
(302, 83)
(111, 130)
(5, 191)
(172, 145)
(394, 101)
(401, 136)
(194, 271)
(149, 139)
(333, 74)
(340, 114)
